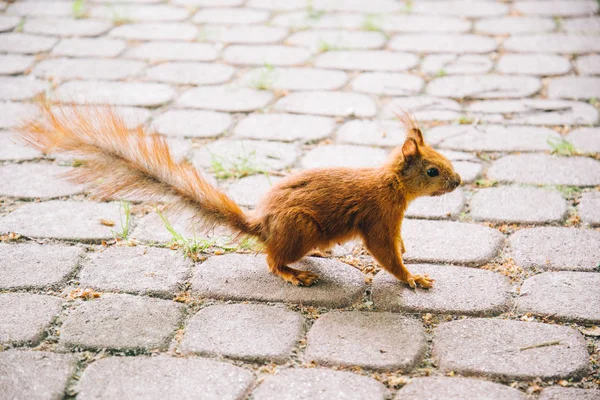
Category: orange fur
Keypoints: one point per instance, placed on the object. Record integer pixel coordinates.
(308, 211)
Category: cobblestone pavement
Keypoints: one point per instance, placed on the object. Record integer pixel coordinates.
(98, 301)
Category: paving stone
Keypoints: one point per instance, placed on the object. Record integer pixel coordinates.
(66, 27)
(343, 155)
(490, 137)
(12, 114)
(192, 123)
(155, 31)
(12, 149)
(384, 133)
(564, 296)
(230, 16)
(556, 248)
(115, 93)
(374, 60)
(188, 73)
(586, 140)
(387, 83)
(421, 23)
(588, 65)
(589, 208)
(318, 384)
(445, 388)
(552, 43)
(527, 205)
(449, 242)
(334, 104)
(36, 181)
(562, 393)
(247, 277)
(136, 270)
(139, 12)
(542, 169)
(284, 127)
(23, 43)
(447, 205)
(30, 265)
(225, 98)
(11, 64)
(484, 86)
(265, 54)
(499, 349)
(249, 34)
(8, 22)
(25, 316)
(457, 290)
(151, 228)
(574, 87)
(89, 47)
(161, 377)
(533, 64)
(62, 220)
(514, 25)
(210, 3)
(534, 112)
(268, 78)
(20, 87)
(323, 40)
(583, 24)
(443, 43)
(304, 20)
(424, 108)
(277, 5)
(251, 332)
(376, 6)
(121, 322)
(41, 8)
(177, 51)
(35, 375)
(89, 68)
(382, 341)
(460, 8)
(556, 8)
(131, 116)
(249, 190)
(453, 64)
(259, 155)
(468, 171)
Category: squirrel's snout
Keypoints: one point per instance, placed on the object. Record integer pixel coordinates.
(455, 182)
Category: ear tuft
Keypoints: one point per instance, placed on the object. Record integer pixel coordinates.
(411, 125)
(410, 148)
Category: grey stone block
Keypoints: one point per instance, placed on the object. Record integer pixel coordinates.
(62, 220)
(590, 64)
(382, 133)
(334, 104)
(453, 64)
(370, 60)
(566, 296)
(190, 73)
(449, 242)
(89, 47)
(589, 25)
(440, 207)
(156, 378)
(13, 114)
(275, 55)
(23, 43)
(318, 384)
(424, 108)
(294, 79)
(121, 322)
(244, 34)
(337, 39)
(20, 87)
(565, 393)
(510, 350)
(249, 191)
(192, 123)
(443, 43)
(115, 93)
(155, 31)
(552, 43)
(230, 16)
(30, 181)
(88, 68)
(385, 83)
(483, 86)
(137, 270)
(8, 22)
(172, 50)
(343, 155)
(24, 317)
(60, 9)
(224, 98)
(35, 375)
(381, 341)
(589, 208)
(585, 140)
(11, 64)
(66, 27)
(556, 248)
(533, 64)
(284, 127)
(461, 8)
(252, 332)
(411, 23)
(247, 277)
(30, 265)
(12, 149)
(514, 25)
(139, 12)
(456, 290)
(444, 388)
(574, 87)
(556, 8)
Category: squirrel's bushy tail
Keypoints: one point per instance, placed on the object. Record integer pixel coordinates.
(118, 161)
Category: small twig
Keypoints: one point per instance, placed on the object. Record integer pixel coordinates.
(535, 346)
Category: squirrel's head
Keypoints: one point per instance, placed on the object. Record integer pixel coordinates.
(422, 170)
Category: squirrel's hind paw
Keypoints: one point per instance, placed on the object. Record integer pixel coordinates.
(422, 280)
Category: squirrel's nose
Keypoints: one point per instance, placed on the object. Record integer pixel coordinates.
(456, 181)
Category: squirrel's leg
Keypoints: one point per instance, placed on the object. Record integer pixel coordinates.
(385, 250)
(291, 275)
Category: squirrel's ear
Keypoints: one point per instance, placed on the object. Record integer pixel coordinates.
(416, 134)
(410, 148)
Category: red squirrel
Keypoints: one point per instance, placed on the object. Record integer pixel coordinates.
(305, 212)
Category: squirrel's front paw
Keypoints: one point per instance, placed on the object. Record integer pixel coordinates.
(423, 280)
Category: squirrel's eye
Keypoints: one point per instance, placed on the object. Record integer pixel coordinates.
(433, 172)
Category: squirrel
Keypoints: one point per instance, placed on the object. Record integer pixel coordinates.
(309, 211)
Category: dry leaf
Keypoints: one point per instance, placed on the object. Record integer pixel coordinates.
(85, 294)
(593, 331)
(107, 222)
